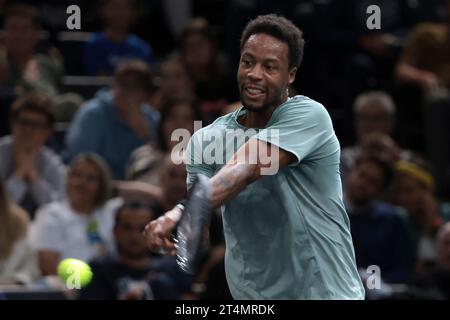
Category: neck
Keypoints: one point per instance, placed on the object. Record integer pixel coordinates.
(135, 263)
(84, 208)
(259, 119)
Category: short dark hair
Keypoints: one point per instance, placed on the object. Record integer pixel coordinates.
(132, 205)
(37, 102)
(280, 28)
(26, 11)
(134, 73)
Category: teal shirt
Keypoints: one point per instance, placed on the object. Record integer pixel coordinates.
(287, 235)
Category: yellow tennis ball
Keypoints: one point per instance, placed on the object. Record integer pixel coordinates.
(75, 273)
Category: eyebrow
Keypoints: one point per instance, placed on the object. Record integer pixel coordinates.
(271, 60)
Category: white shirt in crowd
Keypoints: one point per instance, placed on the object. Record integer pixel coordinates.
(59, 228)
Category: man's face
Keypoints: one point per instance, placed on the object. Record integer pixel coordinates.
(372, 118)
(365, 182)
(20, 36)
(264, 74)
(125, 97)
(174, 77)
(128, 232)
(198, 52)
(30, 128)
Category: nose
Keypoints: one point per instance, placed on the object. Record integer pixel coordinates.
(255, 73)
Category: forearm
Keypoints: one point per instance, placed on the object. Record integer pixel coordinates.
(408, 73)
(228, 182)
(231, 180)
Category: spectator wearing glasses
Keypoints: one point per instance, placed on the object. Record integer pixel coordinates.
(34, 174)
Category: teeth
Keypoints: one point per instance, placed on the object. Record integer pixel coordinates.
(253, 90)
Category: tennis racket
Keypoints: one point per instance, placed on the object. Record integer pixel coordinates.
(190, 229)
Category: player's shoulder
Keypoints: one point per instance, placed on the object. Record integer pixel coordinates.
(300, 102)
(302, 107)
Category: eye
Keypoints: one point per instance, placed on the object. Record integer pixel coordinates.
(246, 62)
(270, 67)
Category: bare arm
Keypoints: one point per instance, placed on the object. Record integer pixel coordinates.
(239, 171)
(228, 182)
(408, 73)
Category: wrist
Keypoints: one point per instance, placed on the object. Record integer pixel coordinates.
(175, 213)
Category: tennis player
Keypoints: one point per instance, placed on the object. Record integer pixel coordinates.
(287, 234)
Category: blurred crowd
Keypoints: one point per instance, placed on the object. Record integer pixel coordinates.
(87, 120)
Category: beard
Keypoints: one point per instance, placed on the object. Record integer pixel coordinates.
(272, 101)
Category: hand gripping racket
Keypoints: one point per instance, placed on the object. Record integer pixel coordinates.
(196, 216)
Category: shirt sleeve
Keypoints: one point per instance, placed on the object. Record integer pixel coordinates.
(47, 233)
(300, 129)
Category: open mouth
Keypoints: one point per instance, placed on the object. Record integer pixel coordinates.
(253, 92)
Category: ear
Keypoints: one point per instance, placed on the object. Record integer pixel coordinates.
(292, 74)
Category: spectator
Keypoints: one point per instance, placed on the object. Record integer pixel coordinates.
(208, 68)
(81, 226)
(425, 58)
(435, 284)
(171, 77)
(374, 112)
(133, 274)
(18, 263)
(116, 121)
(378, 230)
(425, 62)
(179, 112)
(33, 173)
(105, 50)
(412, 189)
(21, 66)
